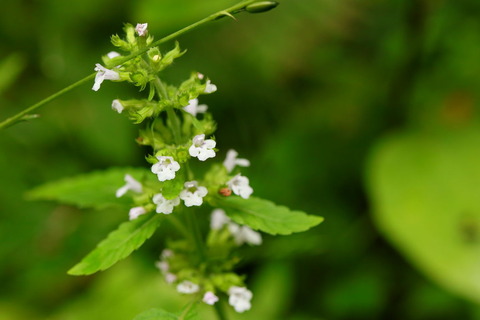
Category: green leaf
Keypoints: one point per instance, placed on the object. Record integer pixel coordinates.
(156, 314)
(266, 216)
(424, 188)
(91, 190)
(118, 245)
(172, 188)
(187, 313)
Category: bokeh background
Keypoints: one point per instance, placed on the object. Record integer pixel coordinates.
(364, 112)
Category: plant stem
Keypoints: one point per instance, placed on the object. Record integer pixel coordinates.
(197, 237)
(232, 10)
(219, 310)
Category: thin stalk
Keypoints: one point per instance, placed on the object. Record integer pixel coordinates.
(193, 226)
(220, 311)
(227, 12)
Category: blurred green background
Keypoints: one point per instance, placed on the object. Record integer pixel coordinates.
(364, 112)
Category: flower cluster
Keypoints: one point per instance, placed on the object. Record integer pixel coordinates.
(179, 130)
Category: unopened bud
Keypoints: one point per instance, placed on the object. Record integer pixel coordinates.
(261, 6)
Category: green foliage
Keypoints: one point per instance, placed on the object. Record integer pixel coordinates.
(187, 313)
(424, 187)
(91, 190)
(265, 216)
(118, 245)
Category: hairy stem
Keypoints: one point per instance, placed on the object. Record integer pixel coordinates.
(227, 12)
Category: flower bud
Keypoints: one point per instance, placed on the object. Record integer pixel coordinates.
(262, 6)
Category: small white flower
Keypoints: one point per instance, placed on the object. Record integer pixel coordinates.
(166, 253)
(162, 266)
(170, 278)
(165, 168)
(231, 161)
(103, 74)
(117, 106)
(131, 184)
(113, 54)
(210, 87)
(243, 234)
(200, 75)
(163, 205)
(135, 212)
(218, 219)
(210, 298)
(193, 194)
(193, 107)
(187, 287)
(201, 148)
(240, 186)
(239, 298)
(141, 29)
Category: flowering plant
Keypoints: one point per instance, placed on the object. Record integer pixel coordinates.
(178, 131)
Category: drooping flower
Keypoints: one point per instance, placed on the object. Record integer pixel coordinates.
(131, 184)
(231, 161)
(210, 87)
(239, 298)
(244, 234)
(218, 219)
(193, 194)
(210, 298)
(201, 148)
(240, 186)
(135, 212)
(117, 106)
(194, 108)
(103, 74)
(163, 205)
(165, 168)
(187, 287)
(141, 29)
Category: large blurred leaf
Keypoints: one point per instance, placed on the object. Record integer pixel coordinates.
(425, 190)
(266, 216)
(92, 190)
(118, 245)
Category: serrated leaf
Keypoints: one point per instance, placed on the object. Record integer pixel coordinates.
(266, 216)
(91, 190)
(187, 313)
(156, 314)
(118, 245)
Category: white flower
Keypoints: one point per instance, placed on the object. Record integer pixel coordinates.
(113, 54)
(163, 205)
(243, 234)
(210, 298)
(239, 185)
(165, 168)
(117, 106)
(135, 212)
(141, 29)
(210, 87)
(193, 194)
(193, 107)
(231, 161)
(239, 298)
(201, 148)
(162, 266)
(170, 278)
(166, 253)
(200, 75)
(131, 184)
(187, 287)
(218, 219)
(103, 74)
